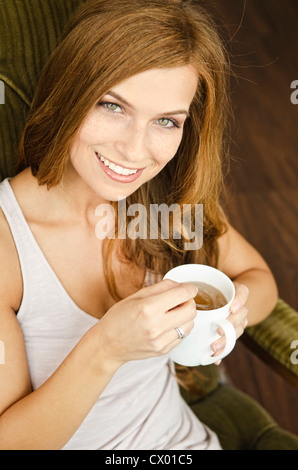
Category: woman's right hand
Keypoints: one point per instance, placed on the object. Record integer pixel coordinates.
(144, 324)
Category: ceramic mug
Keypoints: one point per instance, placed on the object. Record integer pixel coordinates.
(195, 349)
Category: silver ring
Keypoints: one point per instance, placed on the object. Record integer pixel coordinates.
(180, 333)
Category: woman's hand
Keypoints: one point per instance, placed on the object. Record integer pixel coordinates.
(144, 324)
(238, 317)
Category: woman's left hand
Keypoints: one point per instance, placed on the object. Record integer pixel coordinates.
(238, 317)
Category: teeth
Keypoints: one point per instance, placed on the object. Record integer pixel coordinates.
(117, 168)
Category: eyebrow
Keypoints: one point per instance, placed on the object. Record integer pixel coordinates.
(126, 103)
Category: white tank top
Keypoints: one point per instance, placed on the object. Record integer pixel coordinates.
(141, 408)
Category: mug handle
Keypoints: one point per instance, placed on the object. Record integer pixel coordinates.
(230, 334)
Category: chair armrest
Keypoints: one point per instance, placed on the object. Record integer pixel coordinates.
(275, 341)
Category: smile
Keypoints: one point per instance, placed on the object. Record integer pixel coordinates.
(120, 170)
(117, 172)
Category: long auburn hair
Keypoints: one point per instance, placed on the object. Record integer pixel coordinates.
(104, 43)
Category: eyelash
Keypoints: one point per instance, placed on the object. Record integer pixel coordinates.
(106, 103)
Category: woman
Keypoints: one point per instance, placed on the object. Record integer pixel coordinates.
(131, 105)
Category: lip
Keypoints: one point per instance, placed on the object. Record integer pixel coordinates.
(114, 176)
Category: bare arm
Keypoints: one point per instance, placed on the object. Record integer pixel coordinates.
(245, 266)
(256, 291)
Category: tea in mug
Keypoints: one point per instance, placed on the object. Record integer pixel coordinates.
(208, 297)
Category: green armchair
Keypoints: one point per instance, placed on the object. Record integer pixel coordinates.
(29, 31)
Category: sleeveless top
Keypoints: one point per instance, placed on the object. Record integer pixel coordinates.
(141, 408)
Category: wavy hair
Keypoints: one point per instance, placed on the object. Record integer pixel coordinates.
(104, 43)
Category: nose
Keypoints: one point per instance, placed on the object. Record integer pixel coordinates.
(133, 144)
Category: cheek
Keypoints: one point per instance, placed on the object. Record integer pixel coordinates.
(87, 132)
(93, 130)
(167, 148)
(90, 134)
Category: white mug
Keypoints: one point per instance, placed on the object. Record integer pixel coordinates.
(195, 349)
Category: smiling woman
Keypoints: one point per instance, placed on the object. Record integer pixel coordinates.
(130, 107)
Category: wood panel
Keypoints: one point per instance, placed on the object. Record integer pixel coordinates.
(262, 38)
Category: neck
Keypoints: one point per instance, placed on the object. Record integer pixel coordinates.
(77, 198)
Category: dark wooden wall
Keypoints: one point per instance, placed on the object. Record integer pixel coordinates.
(263, 181)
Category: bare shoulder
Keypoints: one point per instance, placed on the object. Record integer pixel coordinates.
(11, 282)
(11, 285)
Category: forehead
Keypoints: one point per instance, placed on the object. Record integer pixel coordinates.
(172, 88)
